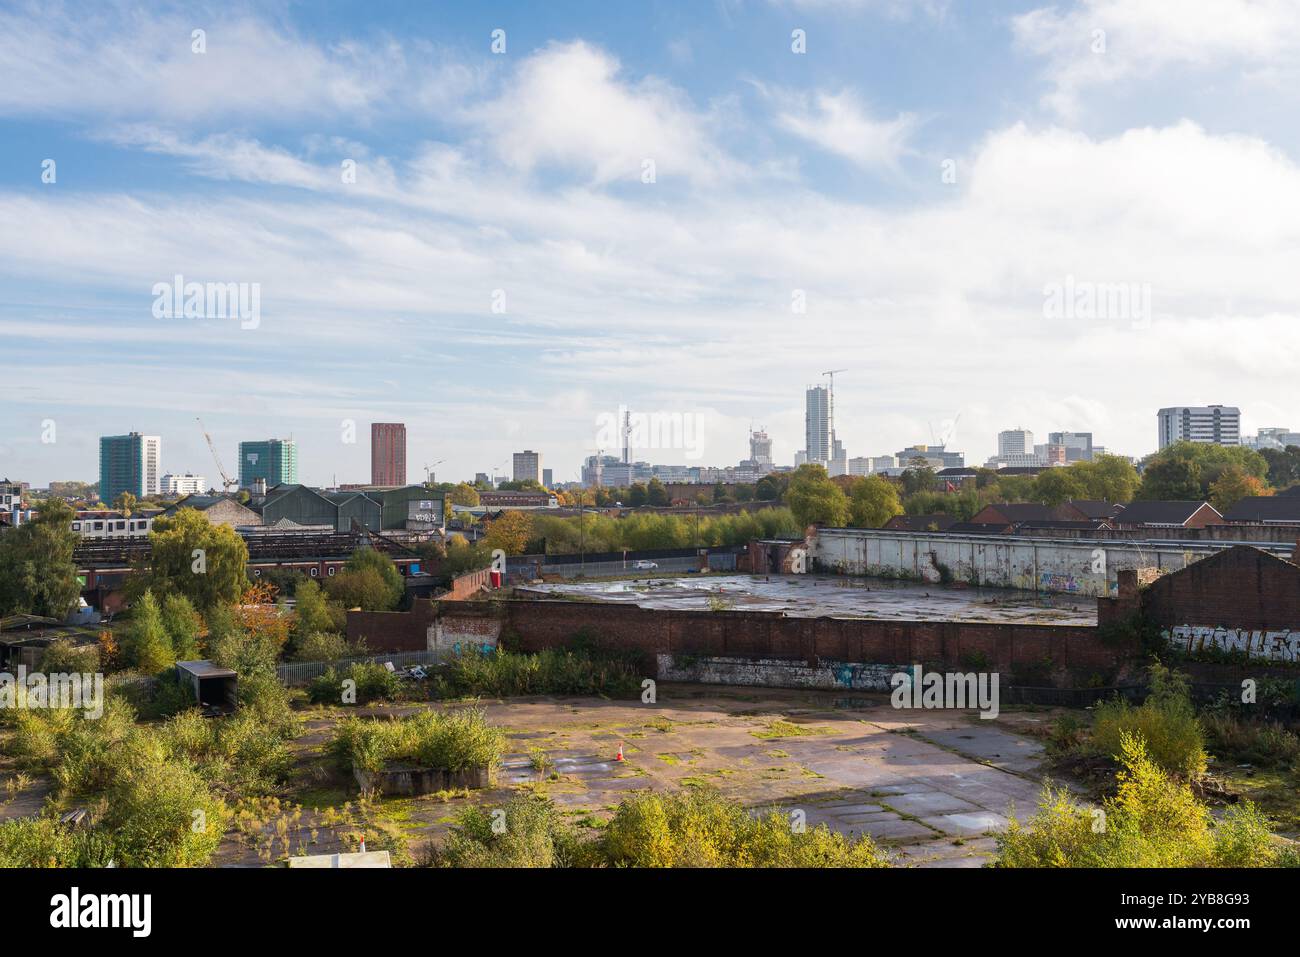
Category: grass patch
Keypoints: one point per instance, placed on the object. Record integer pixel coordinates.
(780, 728)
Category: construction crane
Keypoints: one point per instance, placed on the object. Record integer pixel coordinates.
(227, 483)
(831, 375)
(428, 471)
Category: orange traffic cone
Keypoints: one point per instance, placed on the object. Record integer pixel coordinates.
(619, 756)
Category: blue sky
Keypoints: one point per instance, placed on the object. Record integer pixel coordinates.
(919, 179)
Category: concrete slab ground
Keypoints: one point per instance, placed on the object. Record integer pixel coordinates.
(813, 596)
(930, 786)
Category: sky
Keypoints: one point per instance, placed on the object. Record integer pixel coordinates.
(501, 223)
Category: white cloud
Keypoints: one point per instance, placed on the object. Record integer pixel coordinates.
(1141, 38)
(568, 105)
(839, 123)
(689, 301)
(125, 63)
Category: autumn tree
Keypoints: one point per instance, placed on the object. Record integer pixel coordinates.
(510, 533)
(464, 494)
(1232, 485)
(815, 499)
(873, 501)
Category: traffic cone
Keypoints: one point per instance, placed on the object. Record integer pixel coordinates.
(619, 756)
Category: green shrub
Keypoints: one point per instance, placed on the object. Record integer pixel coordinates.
(1166, 722)
(1240, 740)
(168, 695)
(159, 811)
(64, 657)
(450, 740)
(700, 828)
(501, 674)
(237, 754)
(44, 842)
(262, 697)
(530, 834)
(90, 750)
(1154, 820)
(374, 682)
(321, 646)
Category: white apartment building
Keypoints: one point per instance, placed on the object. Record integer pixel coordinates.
(186, 484)
(1215, 424)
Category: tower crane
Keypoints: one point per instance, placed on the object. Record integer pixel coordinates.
(227, 483)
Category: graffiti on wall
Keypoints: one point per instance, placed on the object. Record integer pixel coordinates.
(1054, 581)
(1281, 645)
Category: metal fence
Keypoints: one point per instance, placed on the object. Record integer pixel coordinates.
(301, 672)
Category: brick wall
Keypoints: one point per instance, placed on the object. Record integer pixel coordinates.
(534, 625)
(394, 630)
(469, 584)
(1242, 587)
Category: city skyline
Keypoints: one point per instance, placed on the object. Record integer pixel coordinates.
(1074, 445)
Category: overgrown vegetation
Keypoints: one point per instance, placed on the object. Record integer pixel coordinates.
(1153, 820)
(501, 673)
(693, 828)
(1166, 723)
(371, 682)
(448, 740)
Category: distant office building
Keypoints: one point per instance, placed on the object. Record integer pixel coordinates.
(547, 478)
(596, 468)
(186, 484)
(387, 454)
(528, 466)
(839, 461)
(860, 465)
(819, 433)
(129, 463)
(1214, 424)
(1015, 442)
(1050, 453)
(800, 458)
(1078, 445)
(1272, 438)
(881, 462)
(1018, 460)
(935, 456)
(274, 461)
(481, 478)
(760, 448)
